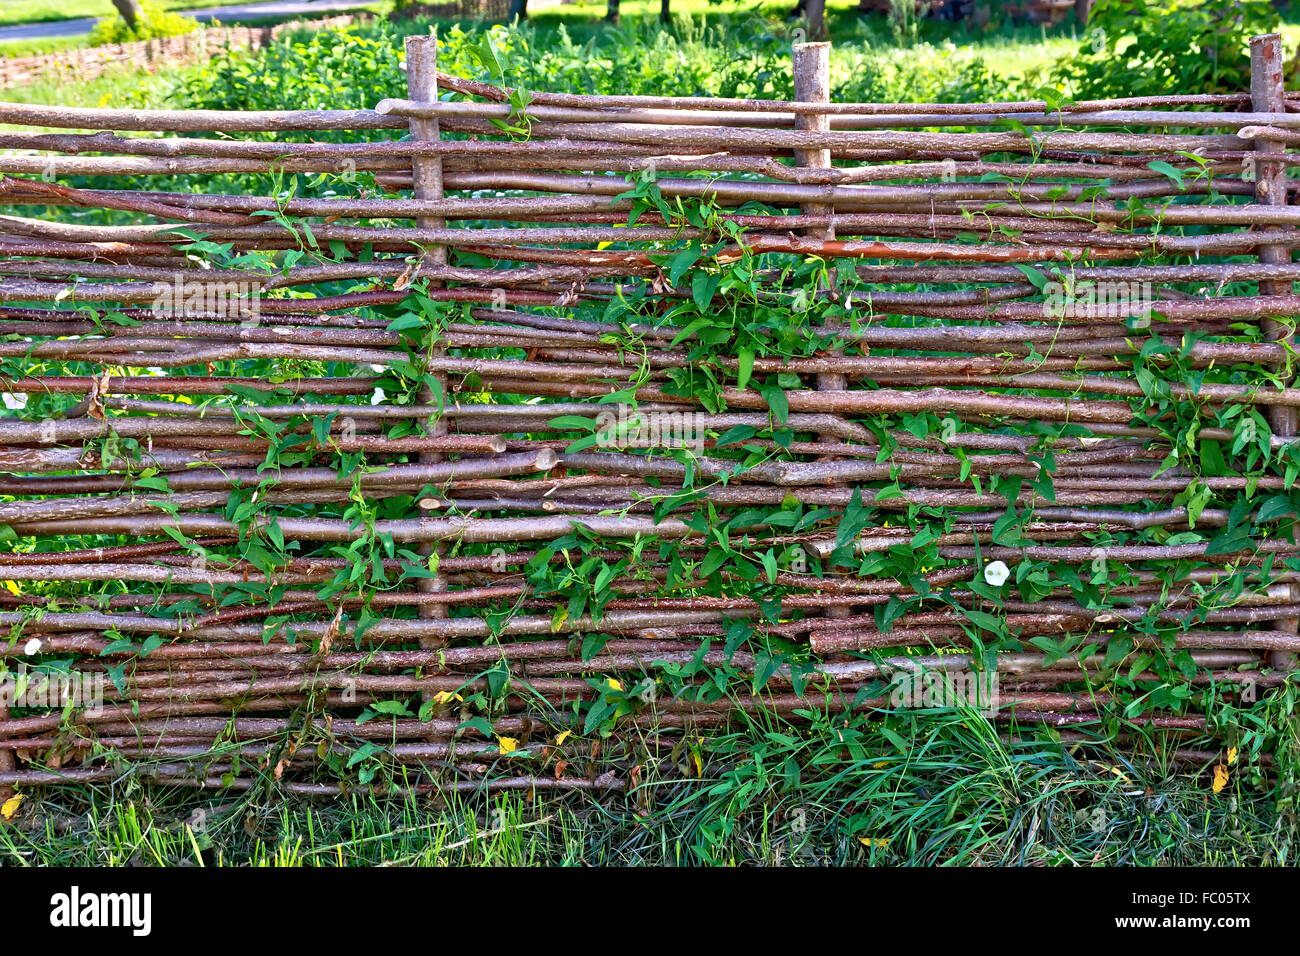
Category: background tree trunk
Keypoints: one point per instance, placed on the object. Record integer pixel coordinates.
(816, 13)
(518, 10)
(611, 11)
(665, 14)
(130, 10)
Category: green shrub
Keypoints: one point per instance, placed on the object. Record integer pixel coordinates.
(742, 57)
(154, 23)
(1155, 47)
(328, 69)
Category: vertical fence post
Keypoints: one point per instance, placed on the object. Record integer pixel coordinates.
(422, 87)
(812, 84)
(1267, 95)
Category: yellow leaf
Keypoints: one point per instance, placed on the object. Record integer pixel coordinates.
(614, 684)
(699, 764)
(1232, 755)
(11, 806)
(562, 737)
(507, 745)
(445, 696)
(1220, 777)
(878, 842)
(12, 587)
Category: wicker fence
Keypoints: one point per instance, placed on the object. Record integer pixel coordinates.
(520, 425)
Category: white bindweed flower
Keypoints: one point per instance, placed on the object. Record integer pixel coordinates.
(32, 647)
(15, 400)
(996, 573)
(378, 397)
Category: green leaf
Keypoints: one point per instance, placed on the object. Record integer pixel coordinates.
(1033, 275)
(1174, 174)
(776, 402)
(745, 357)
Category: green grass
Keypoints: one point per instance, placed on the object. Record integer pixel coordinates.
(42, 45)
(45, 11)
(1011, 46)
(119, 87)
(770, 794)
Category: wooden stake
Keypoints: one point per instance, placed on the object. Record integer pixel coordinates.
(1267, 93)
(812, 84)
(422, 86)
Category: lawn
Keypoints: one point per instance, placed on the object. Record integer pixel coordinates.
(767, 794)
(43, 11)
